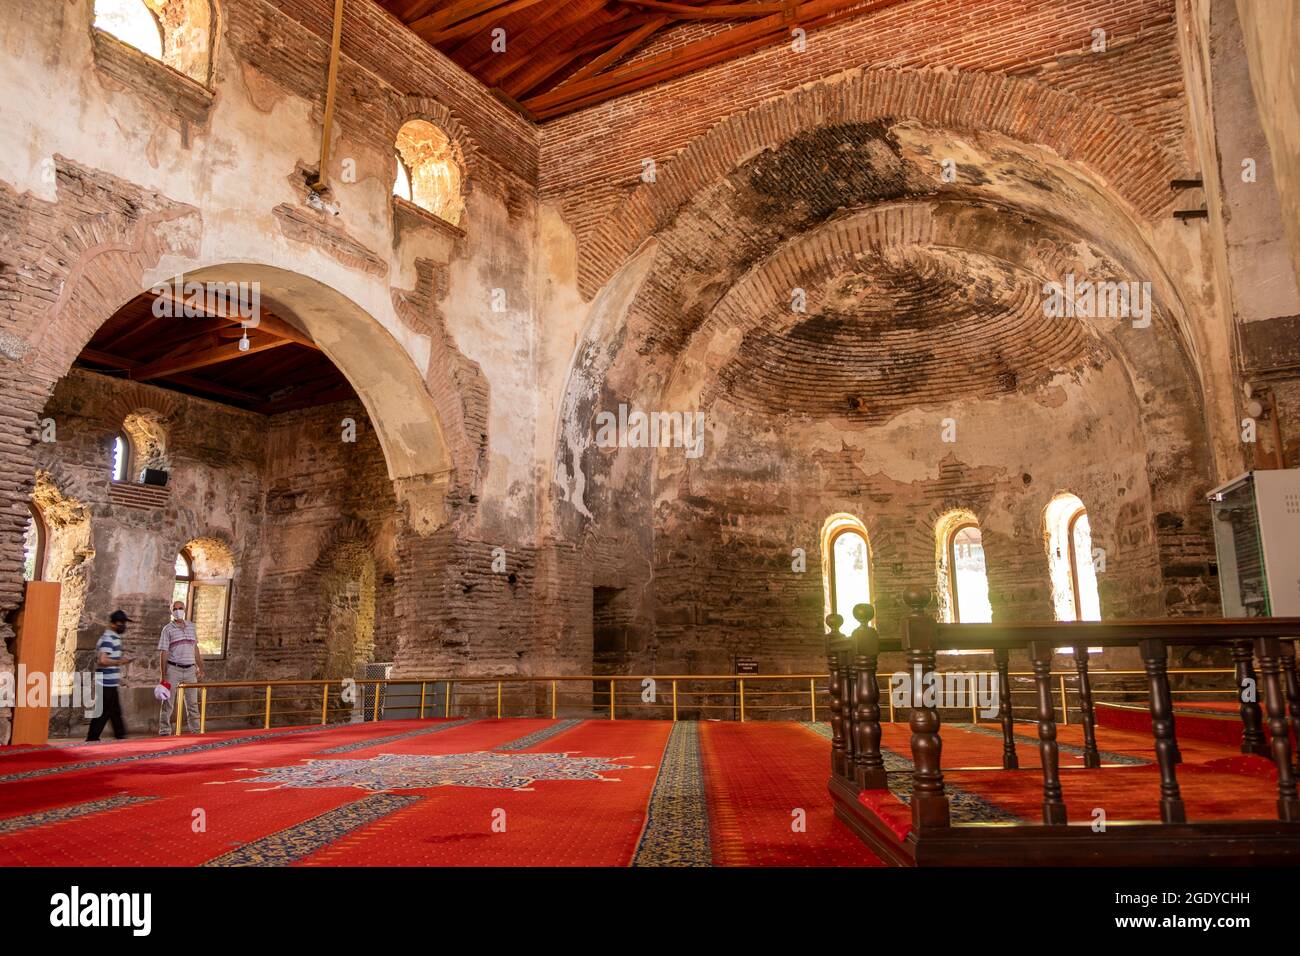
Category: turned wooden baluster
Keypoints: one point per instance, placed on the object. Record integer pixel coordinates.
(1002, 657)
(1269, 652)
(1252, 720)
(1155, 660)
(1291, 676)
(1091, 758)
(1048, 750)
(849, 705)
(868, 765)
(838, 767)
(929, 802)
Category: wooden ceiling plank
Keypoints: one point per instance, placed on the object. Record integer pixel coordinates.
(453, 13)
(479, 23)
(694, 56)
(726, 11)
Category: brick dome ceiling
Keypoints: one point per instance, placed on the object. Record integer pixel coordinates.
(885, 333)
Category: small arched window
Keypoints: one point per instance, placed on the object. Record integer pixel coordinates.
(184, 579)
(34, 545)
(1074, 575)
(132, 22)
(428, 170)
(121, 458)
(968, 580)
(846, 559)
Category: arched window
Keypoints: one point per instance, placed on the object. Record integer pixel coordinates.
(967, 577)
(34, 546)
(428, 170)
(184, 579)
(131, 22)
(846, 560)
(121, 458)
(1074, 576)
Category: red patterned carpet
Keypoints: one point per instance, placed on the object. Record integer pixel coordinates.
(431, 793)
(537, 793)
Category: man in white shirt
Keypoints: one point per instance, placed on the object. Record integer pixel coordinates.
(179, 662)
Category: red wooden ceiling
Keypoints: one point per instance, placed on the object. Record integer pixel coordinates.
(563, 55)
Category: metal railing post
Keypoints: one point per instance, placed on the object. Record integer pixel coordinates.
(1065, 705)
(611, 698)
(446, 704)
(553, 700)
(178, 702)
(376, 701)
(498, 700)
(742, 701)
(266, 715)
(203, 710)
(422, 687)
(812, 699)
(674, 701)
(324, 703)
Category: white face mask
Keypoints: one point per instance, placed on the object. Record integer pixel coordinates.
(178, 614)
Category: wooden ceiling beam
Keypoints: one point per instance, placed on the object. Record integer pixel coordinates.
(625, 46)
(99, 357)
(483, 21)
(452, 13)
(695, 56)
(203, 357)
(265, 321)
(726, 11)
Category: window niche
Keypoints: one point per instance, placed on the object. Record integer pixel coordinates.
(204, 570)
(846, 567)
(159, 49)
(429, 174)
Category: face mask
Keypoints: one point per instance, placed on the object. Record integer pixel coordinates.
(178, 614)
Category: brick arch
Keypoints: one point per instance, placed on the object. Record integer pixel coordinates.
(1121, 156)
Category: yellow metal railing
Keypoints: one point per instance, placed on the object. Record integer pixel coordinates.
(794, 696)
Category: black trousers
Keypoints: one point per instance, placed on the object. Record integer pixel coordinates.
(112, 710)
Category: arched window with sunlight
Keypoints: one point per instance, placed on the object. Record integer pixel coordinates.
(131, 22)
(963, 570)
(34, 545)
(121, 458)
(429, 172)
(846, 560)
(1069, 548)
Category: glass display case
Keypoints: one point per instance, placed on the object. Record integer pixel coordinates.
(1257, 538)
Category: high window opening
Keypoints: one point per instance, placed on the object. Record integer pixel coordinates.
(428, 171)
(121, 460)
(962, 570)
(846, 563)
(34, 538)
(131, 22)
(1074, 576)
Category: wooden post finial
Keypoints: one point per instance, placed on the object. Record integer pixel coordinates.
(834, 622)
(864, 613)
(917, 598)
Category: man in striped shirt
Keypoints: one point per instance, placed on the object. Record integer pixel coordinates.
(108, 662)
(179, 662)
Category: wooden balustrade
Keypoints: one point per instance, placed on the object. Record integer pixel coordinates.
(1265, 665)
